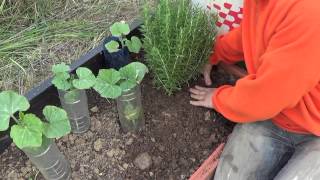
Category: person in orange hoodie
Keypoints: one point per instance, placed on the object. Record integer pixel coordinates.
(277, 105)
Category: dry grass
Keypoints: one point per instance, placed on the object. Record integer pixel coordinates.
(30, 61)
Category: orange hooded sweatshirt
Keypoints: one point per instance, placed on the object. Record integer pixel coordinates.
(280, 42)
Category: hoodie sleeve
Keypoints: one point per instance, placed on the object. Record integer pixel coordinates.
(289, 69)
(228, 47)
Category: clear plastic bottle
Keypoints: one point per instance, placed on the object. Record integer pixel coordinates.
(49, 160)
(130, 110)
(75, 103)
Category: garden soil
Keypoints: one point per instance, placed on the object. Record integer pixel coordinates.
(176, 139)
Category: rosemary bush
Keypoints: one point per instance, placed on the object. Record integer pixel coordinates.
(178, 40)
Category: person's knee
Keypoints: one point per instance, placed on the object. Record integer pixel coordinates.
(246, 142)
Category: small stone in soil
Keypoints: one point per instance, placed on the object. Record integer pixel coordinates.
(97, 125)
(151, 174)
(96, 170)
(110, 153)
(213, 139)
(81, 169)
(204, 131)
(73, 164)
(183, 162)
(168, 115)
(157, 160)
(89, 134)
(174, 135)
(153, 139)
(161, 148)
(80, 141)
(129, 141)
(97, 145)
(174, 164)
(207, 116)
(94, 109)
(72, 138)
(205, 153)
(64, 139)
(196, 145)
(143, 161)
(125, 166)
(25, 170)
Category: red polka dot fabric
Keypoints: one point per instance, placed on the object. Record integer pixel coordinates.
(230, 12)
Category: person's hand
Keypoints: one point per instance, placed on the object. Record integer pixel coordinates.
(206, 74)
(202, 96)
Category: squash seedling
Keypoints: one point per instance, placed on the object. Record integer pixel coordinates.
(120, 30)
(71, 88)
(118, 46)
(32, 135)
(123, 85)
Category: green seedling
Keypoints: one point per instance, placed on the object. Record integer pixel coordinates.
(131, 112)
(83, 79)
(120, 30)
(109, 83)
(112, 84)
(29, 129)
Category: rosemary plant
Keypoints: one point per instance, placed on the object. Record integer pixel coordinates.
(178, 41)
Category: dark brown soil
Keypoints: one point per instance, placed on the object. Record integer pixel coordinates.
(177, 136)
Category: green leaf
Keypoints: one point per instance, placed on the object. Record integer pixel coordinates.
(60, 68)
(21, 115)
(112, 46)
(61, 72)
(11, 103)
(110, 76)
(58, 123)
(128, 84)
(86, 79)
(28, 133)
(61, 81)
(108, 90)
(134, 71)
(131, 112)
(134, 45)
(120, 28)
(106, 83)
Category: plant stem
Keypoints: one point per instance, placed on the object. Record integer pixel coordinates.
(15, 119)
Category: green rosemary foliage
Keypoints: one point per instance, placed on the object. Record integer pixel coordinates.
(178, 40)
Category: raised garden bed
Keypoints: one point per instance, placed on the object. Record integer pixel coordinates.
(177, 137)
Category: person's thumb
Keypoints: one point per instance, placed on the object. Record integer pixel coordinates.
(207, 79)
(206, 74)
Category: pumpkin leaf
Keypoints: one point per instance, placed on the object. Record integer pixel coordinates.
(112, 46)
(11, 103)
(61, 81)
(106, 83)
(60, 68)
(120, 28)
(86, 78)
(134, 45)
(28, 133)
(134, 71)
(58, 123)
(128, 84)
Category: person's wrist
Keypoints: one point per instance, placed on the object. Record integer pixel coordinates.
(212, 98)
